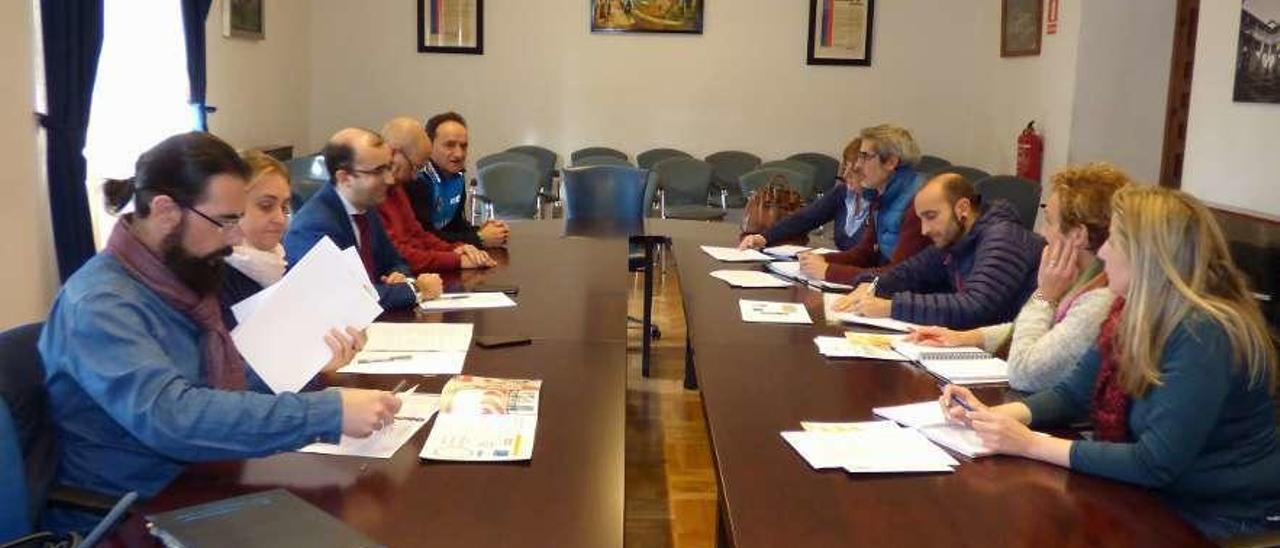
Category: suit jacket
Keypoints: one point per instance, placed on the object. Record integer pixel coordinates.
(323, 215)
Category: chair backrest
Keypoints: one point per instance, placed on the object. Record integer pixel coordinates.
(510, 158)
(1023, 194)
(931, 164)
(650, 193)
(608, 198)
(729, 165)
(596, 151)
(972, 174)
(825, 168)
(24, 395)
(587, 161)
(307, 174)
(808, 191)
(15, 511)
(684, 181)
(649, 158)
(546, 163)
(798, 181)
(511, 188)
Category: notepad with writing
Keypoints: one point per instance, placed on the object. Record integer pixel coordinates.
(829, 311)
(927, 417)
(957, 365)
(275, 518)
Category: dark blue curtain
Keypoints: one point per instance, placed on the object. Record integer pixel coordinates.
(194, 12)
(72, 40)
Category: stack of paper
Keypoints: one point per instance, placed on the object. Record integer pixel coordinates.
(281, 329)
(735, 255)
(413, 349)
(791, 251)
(828, 302)
(415, 411)
(858, 345)
(927, 417)
(957, 365)
(485, 419)
(751, 279)
(791, 269)
(862, 448)
(773, 312)
(467, 301)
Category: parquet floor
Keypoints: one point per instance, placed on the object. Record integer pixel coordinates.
(670, 482)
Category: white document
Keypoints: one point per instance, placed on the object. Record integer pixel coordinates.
(407, 363)
(735, 255)
(957, 365)
(283, 339)
(415, 411)
(485, 419)
(773, 312)
(418, 337)
(843, 347)
(815, 426)
(828, 302)
(791, 251)
(927, 417)
(751, 279)
(871, 450)
(791, 269)
(467, 301)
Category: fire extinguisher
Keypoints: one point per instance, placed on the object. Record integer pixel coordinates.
(1030, 153)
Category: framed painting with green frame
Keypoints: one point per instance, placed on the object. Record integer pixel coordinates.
(840, 32)
(663, 16)
(451, 26)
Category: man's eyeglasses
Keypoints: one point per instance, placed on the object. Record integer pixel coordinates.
(376, 172)
(226, 223)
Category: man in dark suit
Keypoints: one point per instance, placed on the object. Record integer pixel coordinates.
(345, 210)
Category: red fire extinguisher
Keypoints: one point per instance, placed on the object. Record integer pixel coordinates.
(1030, 153)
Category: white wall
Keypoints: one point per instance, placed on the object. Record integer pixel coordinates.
(261, 87)
(29, 279)
(742, 84)
(1122, 84)
(1231, 147)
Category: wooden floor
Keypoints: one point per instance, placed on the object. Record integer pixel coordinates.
(670, 482)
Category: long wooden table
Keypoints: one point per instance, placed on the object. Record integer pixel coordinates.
(572, 302)
(760, 379)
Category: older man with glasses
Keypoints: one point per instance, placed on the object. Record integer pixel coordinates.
(360, 167)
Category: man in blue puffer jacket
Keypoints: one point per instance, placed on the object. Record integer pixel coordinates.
(980, 270)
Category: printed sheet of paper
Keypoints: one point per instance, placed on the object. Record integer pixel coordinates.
(791, 269)
(843, 347)
(927, 417)
(735, 255)
(485, 419)
(773, 312)
(870, 450)
(829, 299)
(415, 411)
(750, 279)
(283, 338)
(413, 349)
(467, 301)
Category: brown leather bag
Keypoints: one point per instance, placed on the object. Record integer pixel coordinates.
(769, 204)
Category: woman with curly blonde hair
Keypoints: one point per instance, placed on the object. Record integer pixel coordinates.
(1179, 386)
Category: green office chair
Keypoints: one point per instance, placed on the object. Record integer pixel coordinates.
(729, 166)
(826, 169)
(581, 153)
(682, 190)
(649, 158)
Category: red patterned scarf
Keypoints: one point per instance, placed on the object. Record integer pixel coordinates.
(1110, 402)
(223, 366)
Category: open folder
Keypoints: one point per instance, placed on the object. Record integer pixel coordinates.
(281, 333)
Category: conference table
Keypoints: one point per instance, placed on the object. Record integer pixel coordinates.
(757, 380)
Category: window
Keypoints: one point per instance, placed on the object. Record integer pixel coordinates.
(139, 97)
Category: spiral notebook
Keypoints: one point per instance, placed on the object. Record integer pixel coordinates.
(957, 365)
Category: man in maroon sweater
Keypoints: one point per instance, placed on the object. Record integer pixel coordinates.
(422, 250)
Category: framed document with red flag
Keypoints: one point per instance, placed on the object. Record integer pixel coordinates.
(451, 26)
(840, 32)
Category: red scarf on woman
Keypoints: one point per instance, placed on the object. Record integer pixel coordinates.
(1110, 402)
(223, 366)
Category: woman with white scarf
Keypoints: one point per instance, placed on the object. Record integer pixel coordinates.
(259, 259)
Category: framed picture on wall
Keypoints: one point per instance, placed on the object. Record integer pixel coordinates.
(1020, 28)
(1258, 54)
(243, 19)
(840, 32)
(451, 26)
(678, 16)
